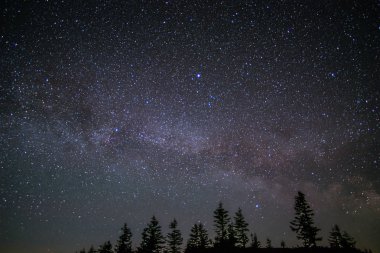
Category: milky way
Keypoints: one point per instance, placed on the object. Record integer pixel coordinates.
(112, 111)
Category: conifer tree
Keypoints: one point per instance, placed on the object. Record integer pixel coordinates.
(348, 241)
(174, 238)
(241, 229)
(303, 223)
(124, 244)
(198, 239)
(337, 239)
(255, 243)
(221, 221)
(152, 239)
(231, 241)
(105, 248)
(91, 250)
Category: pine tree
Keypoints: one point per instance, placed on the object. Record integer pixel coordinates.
(174, 238)
(347, 240)
(339, 240)
(303, 223)
(269, 243)
(335, 237)
(255, 243)
(231, 237)
(124, 244)
(198, 238)
(221, 221)
(105, 248)
(91, 250)
(152, 239)
(241, 229)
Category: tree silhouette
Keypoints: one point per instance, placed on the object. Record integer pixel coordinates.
(105, 248)
(198, 239)
(339, 240)
(91, 250)
(335, 237)
(255, 243)
(221, 221)
(152, 239)
(231, 237)
(269, 243)
(347, 240)
(174, 238)
(82, 251)
(282, 244)
(124, 244)
(241, 229)
(303, 223)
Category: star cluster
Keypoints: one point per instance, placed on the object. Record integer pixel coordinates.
(112, 111)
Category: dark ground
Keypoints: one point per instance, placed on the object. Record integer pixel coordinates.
(280, 250)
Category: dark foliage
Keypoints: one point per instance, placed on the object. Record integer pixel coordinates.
(303, 223)
(105, 248)
(221, 221)
(198, 239)
(255, 242)
(339, 240)
(174, 238)
(124, 244)
(152, 239)
(241, 229)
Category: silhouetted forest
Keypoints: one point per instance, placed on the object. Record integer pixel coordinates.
(231, 235)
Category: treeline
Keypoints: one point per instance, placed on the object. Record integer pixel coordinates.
(231, 235)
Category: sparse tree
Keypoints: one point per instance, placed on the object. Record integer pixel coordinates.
(303, 223)
(348, 241)
(174, 238)
(105, 248)
(198, 238)
(241, 229)
(221, 221)
(337, 239)
(282, 244)
(269, 243)
(124, 244)
(255, 242)
(152, 239)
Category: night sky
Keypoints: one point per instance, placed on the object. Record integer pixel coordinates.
(112, 111)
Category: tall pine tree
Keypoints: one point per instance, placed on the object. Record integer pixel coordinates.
(152, 239)
(221, 221)
(303, 223)
(174, 238)
(198, 239)
(241, 229)
(106, 247)
(124, 244)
